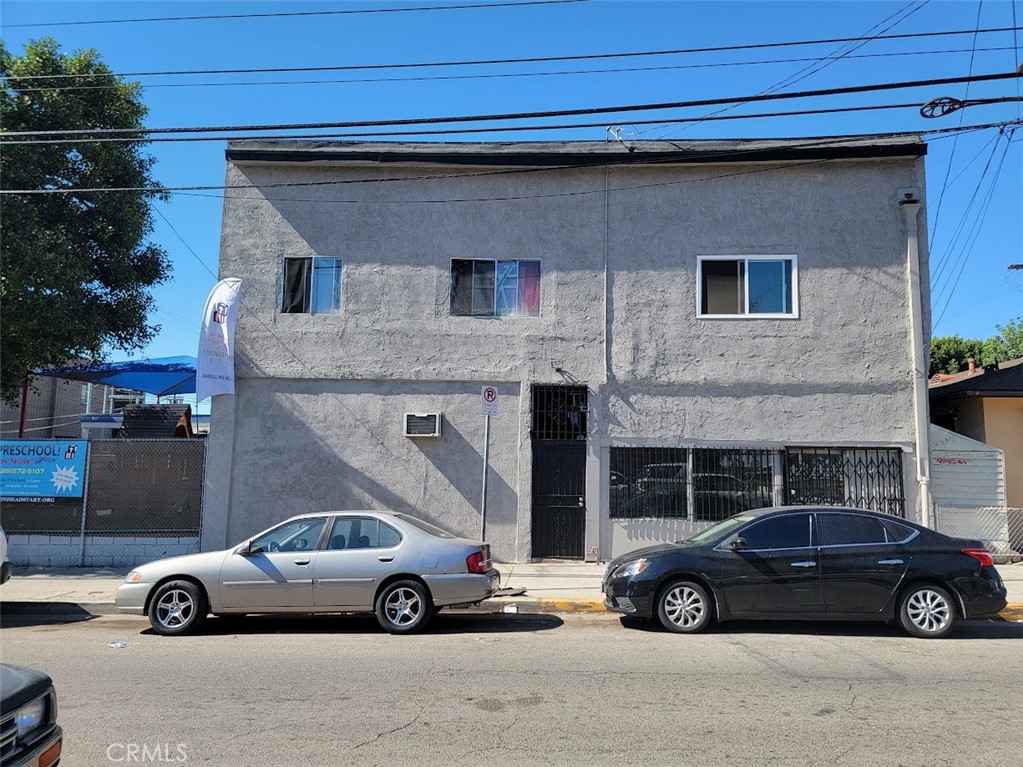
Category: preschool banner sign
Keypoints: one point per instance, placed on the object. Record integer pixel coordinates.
(42, 470)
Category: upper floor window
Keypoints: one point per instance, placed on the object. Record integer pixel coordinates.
(761, 286)
(312, 286)
(490, 288)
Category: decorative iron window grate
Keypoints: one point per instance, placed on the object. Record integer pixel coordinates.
(703, 484)
(862, 478)
(559, 412)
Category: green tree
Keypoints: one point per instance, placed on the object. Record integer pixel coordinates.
(1006, 345)
(75, 268)
(949, 354)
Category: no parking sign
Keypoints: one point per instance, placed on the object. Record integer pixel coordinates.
(488, 400)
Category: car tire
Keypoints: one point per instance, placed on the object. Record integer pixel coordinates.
(927, 611)
(177, 607)
(684, 607)
(404, 607)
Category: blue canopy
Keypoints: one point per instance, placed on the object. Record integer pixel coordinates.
(161, 376)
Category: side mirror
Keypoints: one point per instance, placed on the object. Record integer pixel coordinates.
(246, 549)
(737, 544)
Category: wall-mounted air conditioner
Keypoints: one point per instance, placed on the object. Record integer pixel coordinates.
(421, 424)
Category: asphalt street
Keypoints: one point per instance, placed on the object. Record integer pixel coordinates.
(524, 690)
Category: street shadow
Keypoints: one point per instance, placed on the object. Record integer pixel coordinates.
(983, 628)
(447, 622)
(49, 613)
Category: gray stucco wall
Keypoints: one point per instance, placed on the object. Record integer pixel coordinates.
(316, 421)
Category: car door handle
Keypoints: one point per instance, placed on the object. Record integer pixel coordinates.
(301, 561)
(890, 562)
(385, 558)
(804, 564)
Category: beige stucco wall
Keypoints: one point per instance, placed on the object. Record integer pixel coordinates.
(1003, 427)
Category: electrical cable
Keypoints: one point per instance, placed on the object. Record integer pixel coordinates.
(460, 131)
(521, 115)
(975, 232)
(350, 12)
(951, 155)
(725, 153)
(830, 59)
(504, 75)
(527, 60)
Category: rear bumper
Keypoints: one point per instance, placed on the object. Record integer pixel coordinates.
(981, 596)
(462, 588)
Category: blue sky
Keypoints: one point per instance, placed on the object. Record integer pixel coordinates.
(974, 291)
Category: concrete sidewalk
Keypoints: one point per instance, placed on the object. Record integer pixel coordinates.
(563, 587)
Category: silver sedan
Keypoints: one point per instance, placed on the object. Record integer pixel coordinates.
(394, 565)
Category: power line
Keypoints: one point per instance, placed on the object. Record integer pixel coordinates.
(352, 12)
(834, 56)
(496, 129)
(596, 190)
(521, 115)
(730, 154)
(506, 75)
(528, 60)
(951, 155)
(975, 231)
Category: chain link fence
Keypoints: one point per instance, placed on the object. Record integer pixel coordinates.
(145, 487)
(1001, 529)
(142, 501)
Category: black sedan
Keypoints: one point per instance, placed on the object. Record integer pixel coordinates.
(800, 563)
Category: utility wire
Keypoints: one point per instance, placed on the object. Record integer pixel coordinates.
(597, 190)
(975, 231)
(503, 75)
(727, 154)
(955, 142)
(352, 12)
(520, 115)
(497, 129)
(490, 62)
(831, 58)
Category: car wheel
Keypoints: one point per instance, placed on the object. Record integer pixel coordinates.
(404, 607)
(177, 607)
(927, 611)
(684, 607)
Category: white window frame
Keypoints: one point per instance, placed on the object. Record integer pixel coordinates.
(794, 315)
(284, 287)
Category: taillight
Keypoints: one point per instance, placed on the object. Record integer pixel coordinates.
(476, 562)
(981, 555)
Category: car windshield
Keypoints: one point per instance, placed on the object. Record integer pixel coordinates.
(722, 528)
(425, 526)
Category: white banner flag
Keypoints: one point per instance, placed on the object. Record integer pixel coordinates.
(214, 368)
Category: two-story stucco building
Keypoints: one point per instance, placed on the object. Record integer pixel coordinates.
(676, 331)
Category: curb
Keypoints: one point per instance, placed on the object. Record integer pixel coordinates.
(1012, 612)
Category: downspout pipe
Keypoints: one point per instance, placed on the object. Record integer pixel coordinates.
(910, 206)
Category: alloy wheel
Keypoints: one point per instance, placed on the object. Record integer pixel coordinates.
(403, 607)
(174, 609)
(928, 610)
(684, 606)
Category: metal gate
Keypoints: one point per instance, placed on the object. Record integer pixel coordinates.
(559, 470)
(559, 498)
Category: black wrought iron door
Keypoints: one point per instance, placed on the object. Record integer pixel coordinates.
(559, 498)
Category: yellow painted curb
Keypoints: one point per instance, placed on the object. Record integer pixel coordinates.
(1012, 612)
(572, 606)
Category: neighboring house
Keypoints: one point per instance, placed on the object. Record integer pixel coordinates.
(986, 405)
(53, 409)
(752, 311)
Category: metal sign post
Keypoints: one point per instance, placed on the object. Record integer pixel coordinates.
(488, 406)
